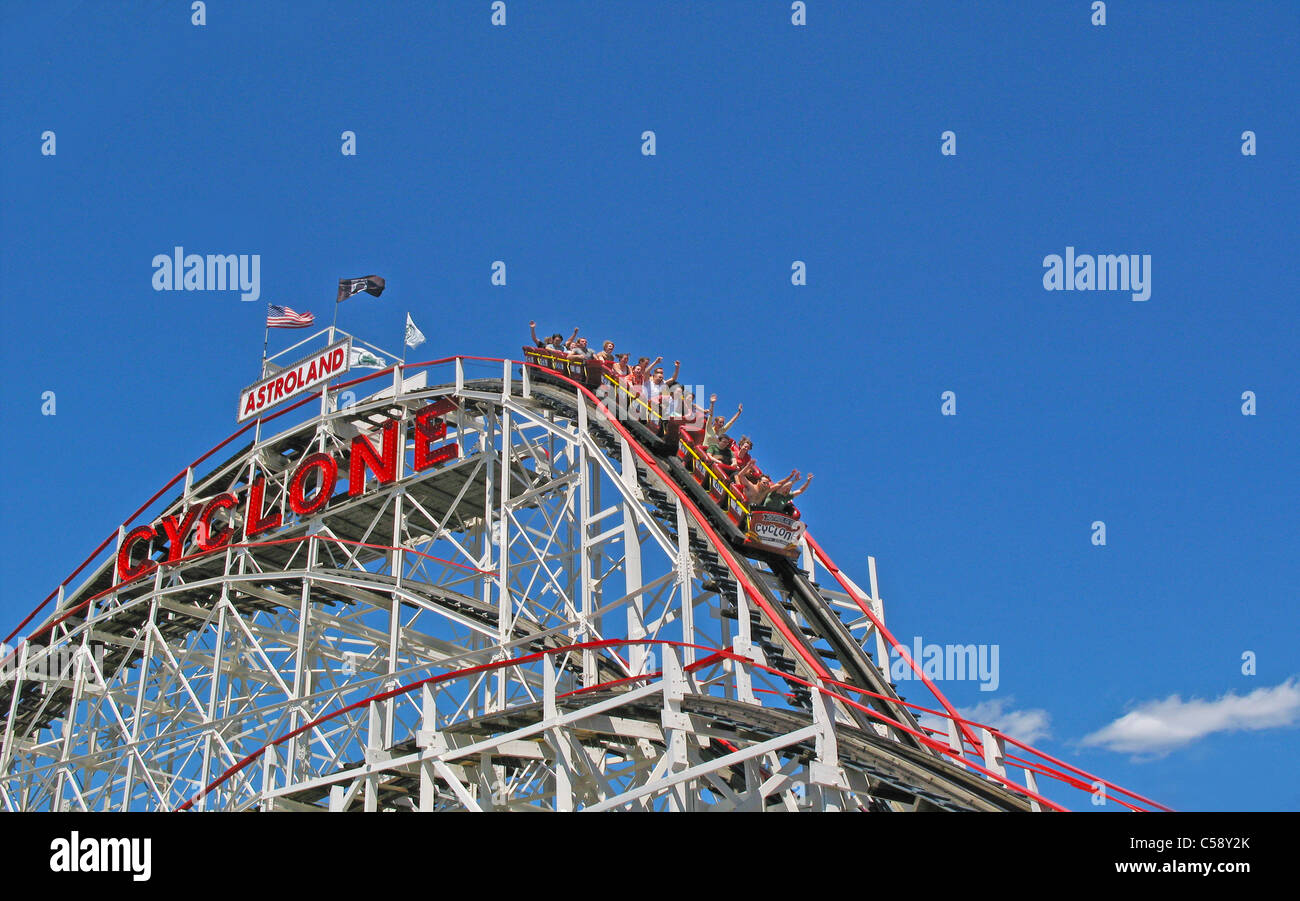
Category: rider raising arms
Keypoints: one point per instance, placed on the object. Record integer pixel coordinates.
(755, 493)
(658, 390)
(781, 498)
(716, 427)
(553, 342)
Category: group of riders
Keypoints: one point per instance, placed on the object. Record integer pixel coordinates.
(707, 432)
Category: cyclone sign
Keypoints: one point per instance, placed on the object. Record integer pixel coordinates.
(297, 378)
(776, 530)
(246, 513)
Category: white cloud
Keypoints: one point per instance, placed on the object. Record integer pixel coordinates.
(1028, 726)
(1158, 727)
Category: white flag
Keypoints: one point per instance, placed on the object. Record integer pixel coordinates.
(364, 359)
(414, 337)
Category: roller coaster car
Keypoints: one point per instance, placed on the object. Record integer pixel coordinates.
(657, 433)
(756, 533)
(587, 373)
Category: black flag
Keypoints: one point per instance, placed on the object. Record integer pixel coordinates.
(371, 284)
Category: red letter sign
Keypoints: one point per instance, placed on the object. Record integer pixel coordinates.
(124, 571)
(254, 522)
(177, 533)
(208, 541)
(329, 475)
(363, 456)
(427, 432)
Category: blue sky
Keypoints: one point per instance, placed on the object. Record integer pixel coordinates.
(775, 143)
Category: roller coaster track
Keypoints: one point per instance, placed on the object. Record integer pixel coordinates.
(552, 615)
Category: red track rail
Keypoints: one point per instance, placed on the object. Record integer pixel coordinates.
(715, 654)
(830, 566)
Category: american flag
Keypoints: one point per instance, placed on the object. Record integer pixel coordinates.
(283, 317)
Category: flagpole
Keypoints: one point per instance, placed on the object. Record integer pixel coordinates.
(408, 316)
(266, 339)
